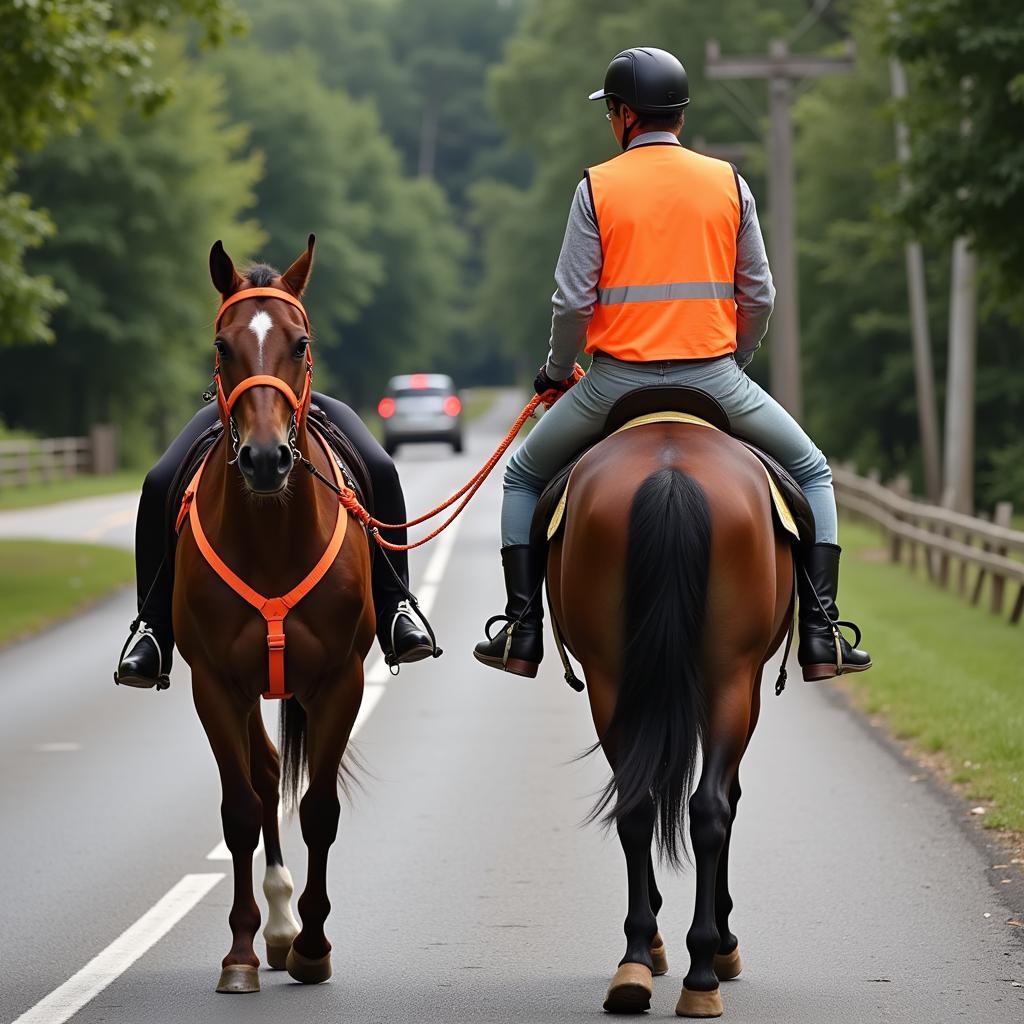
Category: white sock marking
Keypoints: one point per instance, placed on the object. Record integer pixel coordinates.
(106, 967)
(260, 325)
(281, 926)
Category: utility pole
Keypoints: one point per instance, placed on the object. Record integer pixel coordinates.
(780, 68)
(924, 373)
(963, 345)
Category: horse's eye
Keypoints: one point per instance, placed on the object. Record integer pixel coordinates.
(222, 348)
(300, 348)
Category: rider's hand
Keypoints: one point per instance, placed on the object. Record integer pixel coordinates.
(551, 390)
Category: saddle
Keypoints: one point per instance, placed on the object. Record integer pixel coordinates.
(651, 404)
(346, 454)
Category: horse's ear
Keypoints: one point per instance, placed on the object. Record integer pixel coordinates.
(296, 276)
(225, 278)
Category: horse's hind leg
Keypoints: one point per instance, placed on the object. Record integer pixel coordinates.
(330, 720)
(225, 720)
(281, 927)
(727, 961)
(659, 958)
(710, 815)
(630, 988)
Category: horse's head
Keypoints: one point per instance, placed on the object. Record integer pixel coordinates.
(263, 365)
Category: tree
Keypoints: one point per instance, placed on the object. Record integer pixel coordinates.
(55, 55)
(386, 282)
(963, 58)
(138, 199)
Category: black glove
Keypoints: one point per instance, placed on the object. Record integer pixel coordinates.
(542, 383)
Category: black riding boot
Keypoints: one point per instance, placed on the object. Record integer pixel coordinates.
(824, 652)
(148, 663)
(519, 647)
(399, 634)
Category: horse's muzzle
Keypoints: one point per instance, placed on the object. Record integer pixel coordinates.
(265, 467)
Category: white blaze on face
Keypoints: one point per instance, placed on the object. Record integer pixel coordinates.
(260, 325)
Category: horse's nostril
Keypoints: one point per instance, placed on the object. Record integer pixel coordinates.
(245, 461)
(284, 458)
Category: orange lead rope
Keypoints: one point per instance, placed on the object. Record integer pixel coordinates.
(273, 609)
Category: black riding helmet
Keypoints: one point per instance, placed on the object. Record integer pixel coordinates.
(647, 80)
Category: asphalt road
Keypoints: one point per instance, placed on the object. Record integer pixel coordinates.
(462, 887)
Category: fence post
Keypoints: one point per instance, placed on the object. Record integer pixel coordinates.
(1002, 517)
(103, 448)
(901, 487)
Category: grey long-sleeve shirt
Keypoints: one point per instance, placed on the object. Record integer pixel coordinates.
(579, 268)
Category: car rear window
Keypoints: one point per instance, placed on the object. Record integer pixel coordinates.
(425, 392)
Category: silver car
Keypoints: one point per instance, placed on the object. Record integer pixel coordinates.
(421, 407)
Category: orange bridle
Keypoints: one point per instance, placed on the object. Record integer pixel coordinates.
(299, 403)
(273, 609)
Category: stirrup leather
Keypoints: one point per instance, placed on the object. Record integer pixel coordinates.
(509, 633)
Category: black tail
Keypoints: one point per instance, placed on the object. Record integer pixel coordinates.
(293, 749)
(659, 715)
(292, 745)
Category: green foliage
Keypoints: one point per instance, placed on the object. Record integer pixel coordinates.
(385, 285)
(54, 57)
(966, 114)
(137, 199)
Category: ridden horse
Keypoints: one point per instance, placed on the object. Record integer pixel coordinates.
(271, 526)
(673, 587)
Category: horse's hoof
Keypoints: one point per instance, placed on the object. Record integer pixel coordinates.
(699, 1004)
(277, 957)
(658, 956)
(630, 990)
(728, 965)
(309, 972)
(237, 979)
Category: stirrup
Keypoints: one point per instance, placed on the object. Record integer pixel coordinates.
(511, 625)
(409, 609)
(838, 637)
(138, 629)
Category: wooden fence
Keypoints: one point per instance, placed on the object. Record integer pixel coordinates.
(47, 460)
(970, 554)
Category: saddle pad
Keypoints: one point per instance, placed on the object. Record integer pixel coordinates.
(782, 510)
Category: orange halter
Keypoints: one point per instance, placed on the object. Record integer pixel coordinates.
(273, 609)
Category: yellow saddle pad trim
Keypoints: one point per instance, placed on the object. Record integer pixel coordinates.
(781, 508)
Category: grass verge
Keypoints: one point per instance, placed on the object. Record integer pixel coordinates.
(84, 486)
(947, 677)
(44, 581)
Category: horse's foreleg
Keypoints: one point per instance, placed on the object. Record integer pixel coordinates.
(281, 927)
(330, 722)
(225, 720)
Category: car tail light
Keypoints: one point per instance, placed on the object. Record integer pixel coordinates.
(418, 381)
(452, 406)
(386, 408)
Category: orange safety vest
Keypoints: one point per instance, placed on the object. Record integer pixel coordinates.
(668, 219)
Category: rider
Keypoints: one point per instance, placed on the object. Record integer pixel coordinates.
(663, 277)
(149, 661)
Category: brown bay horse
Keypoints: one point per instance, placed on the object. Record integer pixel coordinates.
(673, 587)
(271, 526)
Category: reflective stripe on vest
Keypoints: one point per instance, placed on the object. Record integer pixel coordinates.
(668, 220)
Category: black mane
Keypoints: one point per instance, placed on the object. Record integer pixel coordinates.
(260, 275)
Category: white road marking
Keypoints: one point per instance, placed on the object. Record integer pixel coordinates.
(221, 851)
(106, 967)
(260, 325)
(56, 748)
